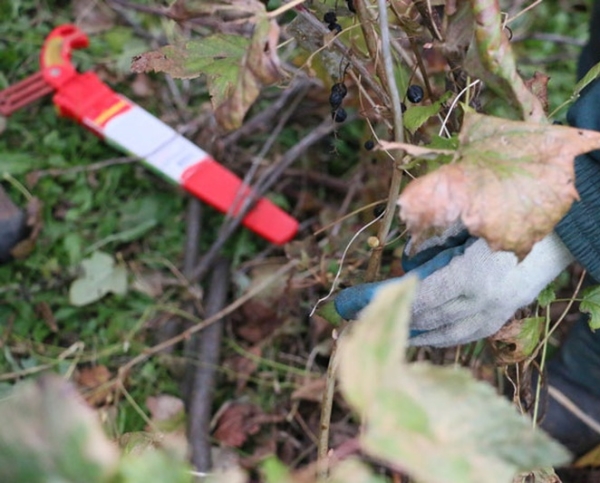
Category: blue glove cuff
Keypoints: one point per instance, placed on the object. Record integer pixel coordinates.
(349, 302)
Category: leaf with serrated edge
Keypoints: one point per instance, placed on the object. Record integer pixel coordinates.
(590, 304)
(438, 423)
(235, 67)
(510, 182)
(260, 66)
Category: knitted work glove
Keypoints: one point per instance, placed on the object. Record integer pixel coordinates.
(467, 291)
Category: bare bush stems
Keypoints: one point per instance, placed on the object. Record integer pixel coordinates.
(326, 409)
(358, 64)
(267, 180)
(394, 191)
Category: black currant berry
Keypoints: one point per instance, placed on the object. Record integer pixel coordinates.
(339, 115)
(335, 27)
(330, 17)
(415, 94)
(338, 92)
(379, 209)
(369, 144)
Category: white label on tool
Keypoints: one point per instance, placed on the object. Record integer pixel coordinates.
(138, 132)
(141, 134)
(175, 157)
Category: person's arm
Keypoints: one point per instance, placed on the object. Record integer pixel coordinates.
(580, 228)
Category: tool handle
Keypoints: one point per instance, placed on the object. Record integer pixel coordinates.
(55, 58)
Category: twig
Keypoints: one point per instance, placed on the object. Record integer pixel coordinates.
(368, 30)
(538, 389)
(262, 120)
(262, 186)
(192, 237)
(171, 326)
(394, 191)
(549, 37)
(564, 313)
(322, 179)
(208, 347)
(358, 63)
(284, 8)
(86, 167)
(124, 370)
(326, 408)
(268, 144)
(569, 405)
(431, 18)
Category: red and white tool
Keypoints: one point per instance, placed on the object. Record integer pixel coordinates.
(111, 116)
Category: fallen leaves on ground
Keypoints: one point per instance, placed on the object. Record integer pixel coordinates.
(238, 420)
(90, 380)
(243, 367)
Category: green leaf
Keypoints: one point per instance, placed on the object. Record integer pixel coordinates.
(547, 296)
(275, 471)
(416, 116)
(591, 305)
(354, 471)
(438, 423)
(153, 465)
(100, 277)
(236, 67)
(588, 78)
(50, 435)
(439, 142)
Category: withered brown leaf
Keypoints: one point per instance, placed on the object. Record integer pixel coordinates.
(509, 182)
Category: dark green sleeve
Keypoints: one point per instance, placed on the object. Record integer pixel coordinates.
(580, 228)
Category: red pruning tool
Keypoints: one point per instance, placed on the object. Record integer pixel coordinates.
(84, 98)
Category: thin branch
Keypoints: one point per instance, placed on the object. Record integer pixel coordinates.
(124, 370)
(86, 168)
(358, 63)
(394, 191)
(368, 29)
(258, 190)
(208, 348)
(326, 409)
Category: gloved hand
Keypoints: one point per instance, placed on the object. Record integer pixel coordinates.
(467, 291)
(12, 226)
